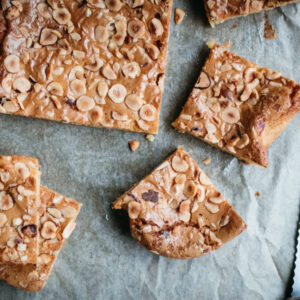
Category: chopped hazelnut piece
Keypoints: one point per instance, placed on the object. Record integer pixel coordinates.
(134, 145)
(179, 15)
(150, 137)
(207, 161)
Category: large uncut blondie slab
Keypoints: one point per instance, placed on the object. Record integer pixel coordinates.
(19, 202)
(57, 221)
(96, 62)
(177, 212)
(239, 107)
(219, 11)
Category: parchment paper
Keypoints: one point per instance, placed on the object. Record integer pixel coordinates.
(95, 166)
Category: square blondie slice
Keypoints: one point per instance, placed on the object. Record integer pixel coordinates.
(98, 63)
(239, 107)
(219, 11)
(19, 202)
(57, 222)
(177, 212)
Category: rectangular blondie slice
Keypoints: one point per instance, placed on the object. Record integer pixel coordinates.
(238, 106)
(177, 212)
(57, 221)
(219, 11)
(19, 202)
(98, 63)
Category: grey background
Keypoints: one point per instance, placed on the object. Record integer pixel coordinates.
(95, 166)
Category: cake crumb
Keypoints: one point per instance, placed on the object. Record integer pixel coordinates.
(257, 194)
(179, 15)
(211, 43)
(270, 31)
(234, 26)
(134, 145)
(207, 161)
(150, 137)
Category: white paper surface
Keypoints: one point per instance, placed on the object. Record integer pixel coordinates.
(94, 166)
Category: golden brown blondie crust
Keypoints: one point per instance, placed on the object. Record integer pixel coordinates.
(239, 107)
(97, 62)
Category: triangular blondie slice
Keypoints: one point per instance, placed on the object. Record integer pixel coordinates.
(239, 107)
(177, 212)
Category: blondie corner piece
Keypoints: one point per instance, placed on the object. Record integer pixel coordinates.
(96, 62)
(19, 202)
(238, 106)
(219, 11)
(57, 222)
(177, 212)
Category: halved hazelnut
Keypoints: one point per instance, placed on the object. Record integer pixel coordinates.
(76, 73)
(96, 3)
(203, 81)
(134, 102)
(96, 114)
(134, 209)
(142, 124)
(190, 189)
(3, 219)
(136, 29)
(12, 63)
(148, 112)
(94, 67)
(156, 27)
(224, 221)
(62, 16)
(11, 106)
(68, 212)
(204, 180)
(85, 103)
(22, 85)
(101, 34)
(244, 141)
(78, 87)
(152, 51)
(114, 5)
(180, 179)
(6, 201)
(55, 88)
(249, 74)
(34, 276)
(249, 89)
(216, 200)
(179, 165)
(179, 15)
(131, 70)
(184, 206)
(49, 230)
(12, 13)
(102, 89)
(44, 10)
(212, 208)
(54, 212)
(7, 83)
(23, 170)
(108, 72)
(69, 229)
(119, 117)
(117, 93)
(48, 37)
(120, 35)
(230, 115)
